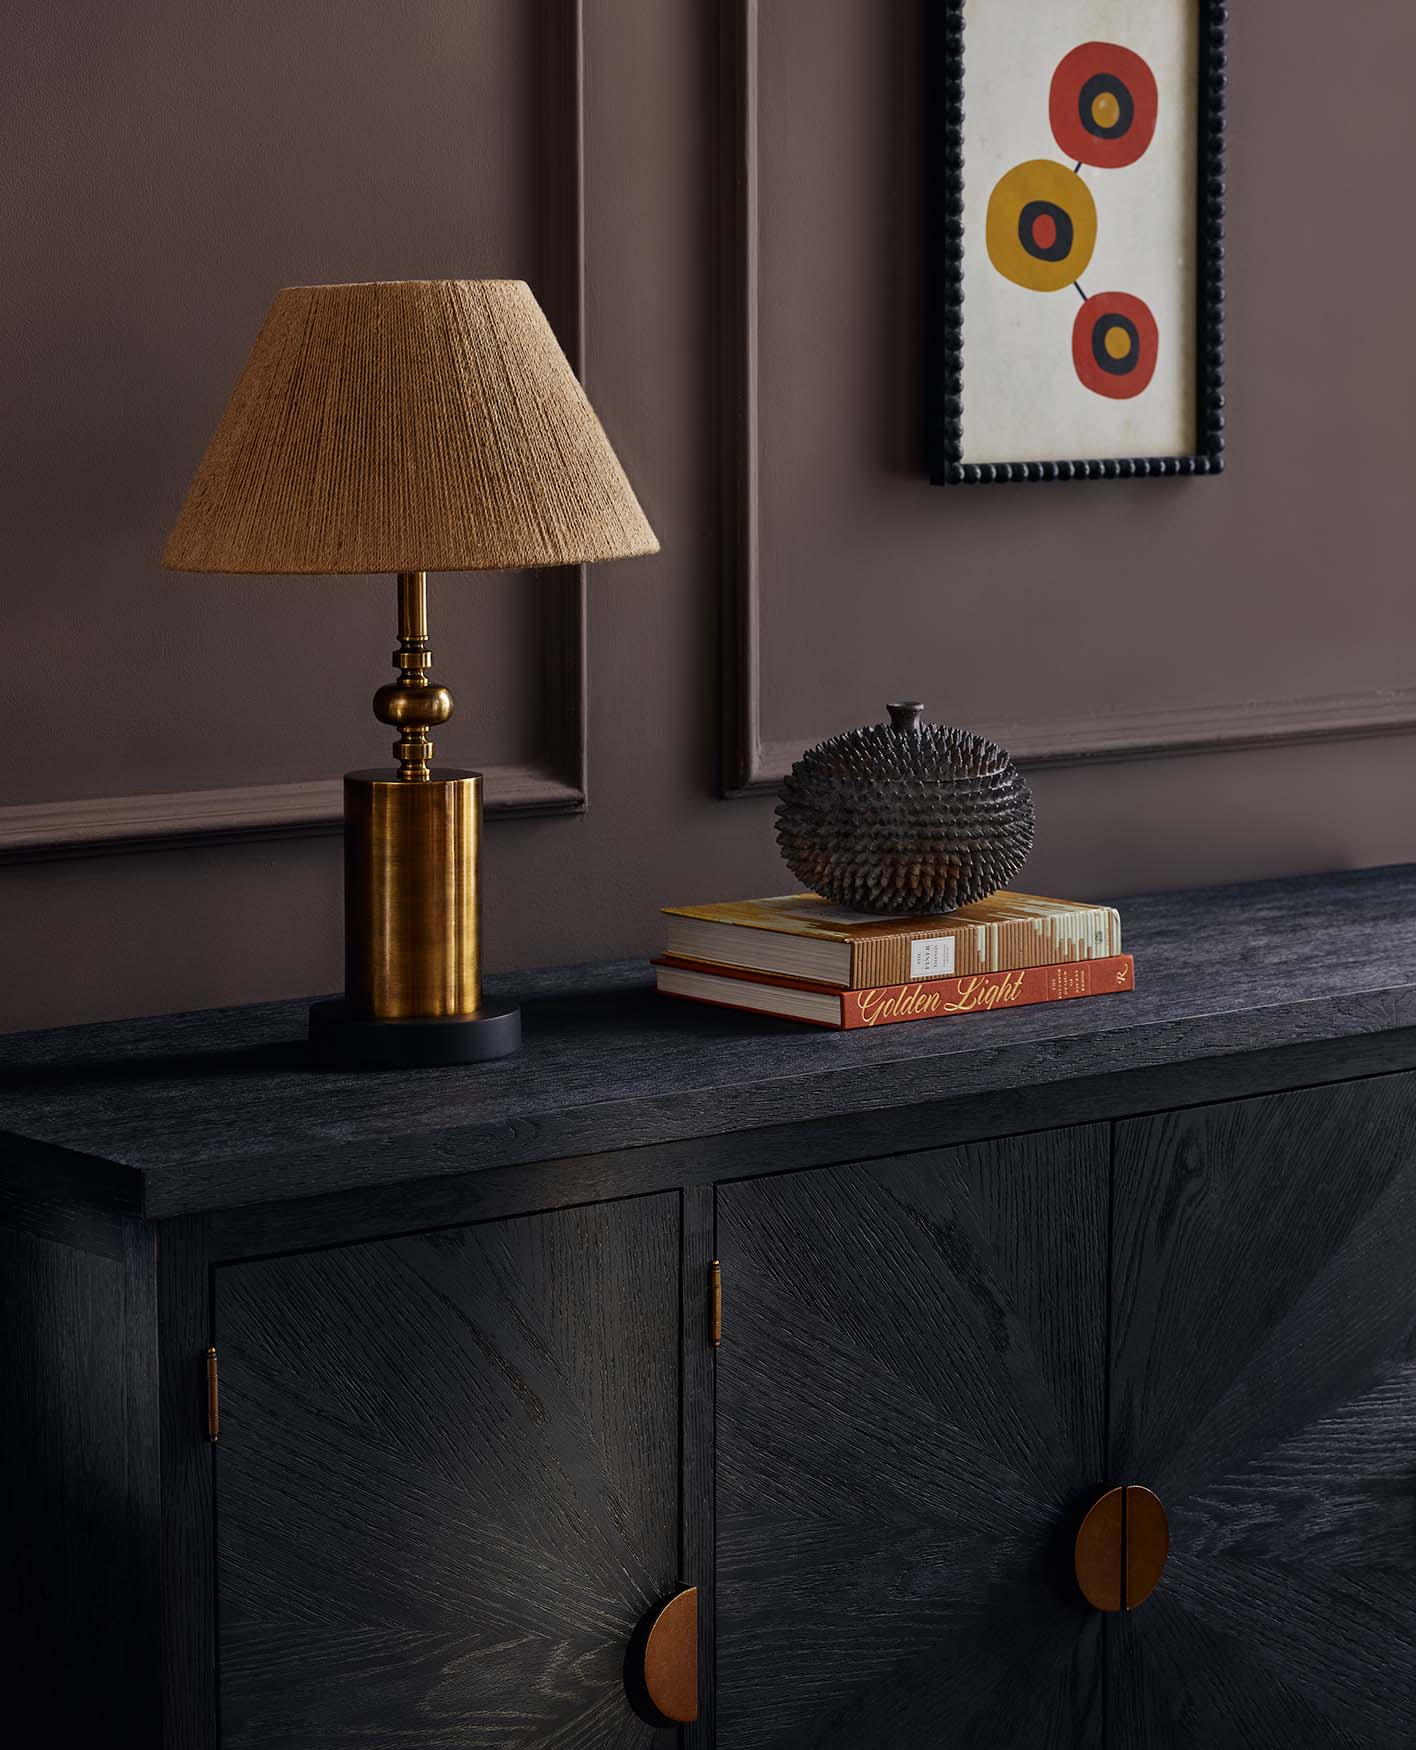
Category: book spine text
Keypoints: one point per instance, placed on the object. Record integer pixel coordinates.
(979, 992)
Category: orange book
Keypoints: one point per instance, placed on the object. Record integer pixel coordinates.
(931, 999)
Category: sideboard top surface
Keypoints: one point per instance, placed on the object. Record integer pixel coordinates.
(203, 1110)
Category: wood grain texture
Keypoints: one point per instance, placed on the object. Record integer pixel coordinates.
(220, 1108)
(35, 1172)
(59, 1196)
(696, 1564)
(142, 1677)
(1279, 1228)
(187, 1621)
(78, 1483)
(1265, 1387)
(452, 1199)
(910, 1423)
(448, 1483)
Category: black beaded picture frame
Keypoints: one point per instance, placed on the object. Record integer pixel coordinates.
(1097, 337)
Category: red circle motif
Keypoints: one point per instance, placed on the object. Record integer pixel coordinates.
(1106, 135)
(1115, 345)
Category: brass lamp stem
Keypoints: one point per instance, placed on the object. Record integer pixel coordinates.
(412, 704)
(412, 611)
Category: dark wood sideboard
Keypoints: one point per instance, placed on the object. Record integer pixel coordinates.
(473, 1429)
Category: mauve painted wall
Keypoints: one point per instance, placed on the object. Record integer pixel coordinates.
(168, 163)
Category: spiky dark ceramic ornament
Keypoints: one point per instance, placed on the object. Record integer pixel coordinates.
(905, 817)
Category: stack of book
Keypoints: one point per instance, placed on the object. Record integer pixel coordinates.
(804, 958)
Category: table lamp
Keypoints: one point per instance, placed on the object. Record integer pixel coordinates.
(408, 427)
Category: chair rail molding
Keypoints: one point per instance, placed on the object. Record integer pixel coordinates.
(752, 765)
(558, 783)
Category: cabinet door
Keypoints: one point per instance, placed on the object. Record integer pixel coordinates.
(447, 1483)
(910, 1420)
(1265, 1388)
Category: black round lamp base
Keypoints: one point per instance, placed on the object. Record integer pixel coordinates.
(341, 1040)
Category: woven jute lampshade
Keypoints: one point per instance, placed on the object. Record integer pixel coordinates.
(418, 425)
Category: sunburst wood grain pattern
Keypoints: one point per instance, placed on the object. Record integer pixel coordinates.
(448, 1484)
(1265, 1386)
(910, 1418)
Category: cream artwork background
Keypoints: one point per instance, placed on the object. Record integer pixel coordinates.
(1022, 397)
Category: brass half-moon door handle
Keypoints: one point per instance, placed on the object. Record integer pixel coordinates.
(1122, 1548)
(661, 1665)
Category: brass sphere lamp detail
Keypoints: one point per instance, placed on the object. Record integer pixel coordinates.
(406, 427)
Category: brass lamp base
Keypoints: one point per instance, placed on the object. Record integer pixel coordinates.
(412, 923)
(341, 1039)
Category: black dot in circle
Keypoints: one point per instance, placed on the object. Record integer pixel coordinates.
(1101, 85)
(1114, 367)
(1063, 233)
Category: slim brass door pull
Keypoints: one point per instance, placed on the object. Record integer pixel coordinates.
(213, 1398)
(1121, 1548)
(661, 1666)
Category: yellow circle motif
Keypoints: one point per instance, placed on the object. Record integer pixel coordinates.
(1040, 184)
(1106, 111)
(1117, 343)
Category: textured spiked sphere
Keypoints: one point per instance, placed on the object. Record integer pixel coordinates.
(905, 817)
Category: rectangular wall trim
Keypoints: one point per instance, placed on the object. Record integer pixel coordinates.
(1195, 729)
(753, 766)
(100, 825)
(555, 784)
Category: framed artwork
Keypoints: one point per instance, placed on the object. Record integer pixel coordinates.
(1075, 303)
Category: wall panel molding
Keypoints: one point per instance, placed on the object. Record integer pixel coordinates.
(1156, 734)
(752, 765)
(558, 781)
(101, 825)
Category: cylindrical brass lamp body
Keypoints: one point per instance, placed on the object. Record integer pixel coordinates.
(412, 928)
(412, 919)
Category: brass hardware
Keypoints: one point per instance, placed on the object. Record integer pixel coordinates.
(663, 1659)
(213, 1398)
(1097, 1557)
(1147, 1544)
(715, 1303)
(412, 704)
(1122, 1547)
(412, 937)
